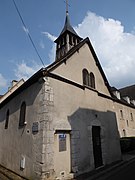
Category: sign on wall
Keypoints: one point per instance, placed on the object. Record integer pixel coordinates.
(62, 142)
(35, 127)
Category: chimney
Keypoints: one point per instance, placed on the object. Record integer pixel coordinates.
(13, 83)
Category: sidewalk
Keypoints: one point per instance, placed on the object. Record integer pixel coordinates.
(127, 158)
(6, 174)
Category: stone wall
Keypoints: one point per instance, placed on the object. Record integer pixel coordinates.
(36, 146)
(46, 122)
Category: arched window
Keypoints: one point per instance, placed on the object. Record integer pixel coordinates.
(7, 119)
(22, 114)
(92, 80)
(85, 77)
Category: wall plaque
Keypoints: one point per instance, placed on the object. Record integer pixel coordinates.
(35, 127)
(62, 142)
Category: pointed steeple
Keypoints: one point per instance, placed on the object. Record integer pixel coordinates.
(67, 26)
(67, 39)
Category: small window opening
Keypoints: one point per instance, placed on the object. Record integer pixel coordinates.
(7, 119)
(127, 123)
(121, 114)
(124, 133)
(70, 40)
(22, 114)
(131, 116)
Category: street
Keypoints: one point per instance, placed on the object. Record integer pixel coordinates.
(125, 172)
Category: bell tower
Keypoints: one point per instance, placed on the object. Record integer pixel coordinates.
(67, 39)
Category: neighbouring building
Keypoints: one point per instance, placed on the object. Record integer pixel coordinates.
(65, 120)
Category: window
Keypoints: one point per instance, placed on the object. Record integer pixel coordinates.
(70, 39)
(78, 41)
(7, 119)
(74, 41)
(92, 80)
(124, 133)
(131, 116)
(127, 123)
(62, 142)
(65, 39)
(22, 114)
(88, 79)
(85, 77)
(121, 114)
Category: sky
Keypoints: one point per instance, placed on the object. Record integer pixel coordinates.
(110, 25)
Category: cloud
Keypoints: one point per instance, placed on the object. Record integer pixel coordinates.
(53, 49)
(133, 30)
(24, 70)
(52, 53)
(41, 44)
(113, 46)
(50, 36)
(3, 82)
(25, 30)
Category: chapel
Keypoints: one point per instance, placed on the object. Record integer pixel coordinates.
(65, 120)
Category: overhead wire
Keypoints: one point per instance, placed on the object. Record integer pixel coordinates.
(28, 33)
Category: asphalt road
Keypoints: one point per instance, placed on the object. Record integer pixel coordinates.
(121, 173)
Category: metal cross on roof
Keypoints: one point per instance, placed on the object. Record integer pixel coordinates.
(66, 5)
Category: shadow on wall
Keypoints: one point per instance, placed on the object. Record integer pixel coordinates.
(14, 141)
(27, 95)
(94, 139)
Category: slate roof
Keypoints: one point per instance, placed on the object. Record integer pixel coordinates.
(114, 89)
(67, 28)
(128, 91)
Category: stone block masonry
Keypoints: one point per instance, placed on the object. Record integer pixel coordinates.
(45, 137)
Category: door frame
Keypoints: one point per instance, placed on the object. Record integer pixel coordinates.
(60, 153)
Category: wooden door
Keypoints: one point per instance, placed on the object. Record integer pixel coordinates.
(97, 151)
